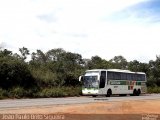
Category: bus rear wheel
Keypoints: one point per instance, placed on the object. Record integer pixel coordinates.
(109, 93)
(138, 92)
(134, 92)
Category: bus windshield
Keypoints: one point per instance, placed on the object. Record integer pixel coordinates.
(90, 82)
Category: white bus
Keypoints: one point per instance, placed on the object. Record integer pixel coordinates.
(113, 81)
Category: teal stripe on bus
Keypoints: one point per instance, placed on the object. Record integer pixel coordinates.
(124, 82)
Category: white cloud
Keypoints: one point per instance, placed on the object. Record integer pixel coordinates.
(77, 26)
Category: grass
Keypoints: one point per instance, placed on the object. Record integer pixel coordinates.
(60, 92)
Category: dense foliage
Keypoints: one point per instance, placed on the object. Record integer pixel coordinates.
(55, 73)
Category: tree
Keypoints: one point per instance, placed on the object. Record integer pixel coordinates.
(134, 66)
(73, 67)
(154, 74)
(39, 56)
(119, 62)
(14, 72)
(17, 56)
(5, 52)
(24, 52)
(97, 62)
(55, 54)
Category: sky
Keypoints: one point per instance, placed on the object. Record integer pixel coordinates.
(106, 28)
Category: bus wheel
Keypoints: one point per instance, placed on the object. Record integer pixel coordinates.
(138, 92)
(134, 92)
(109, 93)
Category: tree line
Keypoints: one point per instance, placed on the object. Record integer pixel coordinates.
(58, 70)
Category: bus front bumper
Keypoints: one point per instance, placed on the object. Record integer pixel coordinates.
(89, 91)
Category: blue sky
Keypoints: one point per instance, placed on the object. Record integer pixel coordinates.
(99, 27)
(145, 11)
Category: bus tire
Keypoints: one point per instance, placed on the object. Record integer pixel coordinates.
(134, 92)
(138, 92)
(109, 93)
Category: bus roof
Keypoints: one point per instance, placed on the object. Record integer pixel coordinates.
(114, 70)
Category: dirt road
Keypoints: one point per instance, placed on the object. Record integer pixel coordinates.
(99, 110)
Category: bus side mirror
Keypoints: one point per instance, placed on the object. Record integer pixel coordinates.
(80, 78)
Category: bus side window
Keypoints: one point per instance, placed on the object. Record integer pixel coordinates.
(110, 75)
(129, 77)
(123, 76)
(102, 79)
(117, 76)
(143, 77)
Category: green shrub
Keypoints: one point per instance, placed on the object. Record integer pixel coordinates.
(17, 92)
(51, 92)
(14, 73)
(59, 92)
(3, 94)
(153, 89)
(72, 91)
